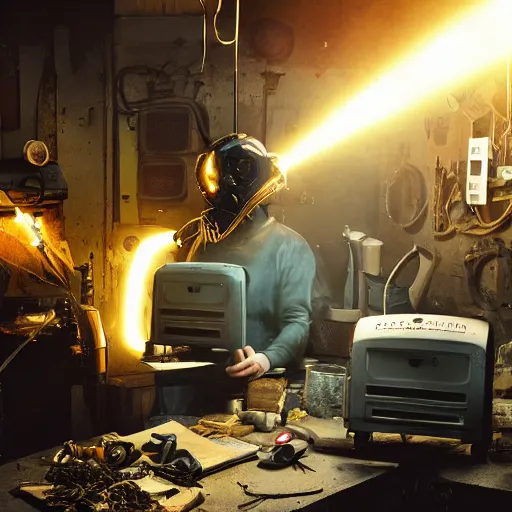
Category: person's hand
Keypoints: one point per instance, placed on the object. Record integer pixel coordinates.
(248, 363)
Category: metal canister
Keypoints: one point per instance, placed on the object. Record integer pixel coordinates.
(324, 390)
(235, 405)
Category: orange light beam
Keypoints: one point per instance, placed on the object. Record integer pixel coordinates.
(135, 298)
(474, 42)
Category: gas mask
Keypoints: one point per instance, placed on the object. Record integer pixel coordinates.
(235, 175)
(231, 171)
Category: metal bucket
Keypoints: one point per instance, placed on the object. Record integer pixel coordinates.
(324, 390)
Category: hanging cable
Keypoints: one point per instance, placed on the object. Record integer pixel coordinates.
(504, 137)
(398, 267)
(235, 42)
(50, 316)
(420, 203)
(217, 35)
(235, 70)
(204, 35)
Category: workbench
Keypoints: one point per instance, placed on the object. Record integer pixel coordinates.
(334, 474)
(346, 480)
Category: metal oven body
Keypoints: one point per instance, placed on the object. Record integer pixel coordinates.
(428, 375)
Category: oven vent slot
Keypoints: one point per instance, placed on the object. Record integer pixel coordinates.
(192, 313)
(192, 332)
(412, 393)
(413, 418)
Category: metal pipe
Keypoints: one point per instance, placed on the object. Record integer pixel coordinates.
(504, 144)
(408, 256)
(235, 70)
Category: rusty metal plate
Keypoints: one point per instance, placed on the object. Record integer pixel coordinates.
(165, 131)
(166, 180)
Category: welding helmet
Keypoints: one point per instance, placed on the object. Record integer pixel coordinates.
(232, 170)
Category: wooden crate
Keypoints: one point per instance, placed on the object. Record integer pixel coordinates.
(131, 400)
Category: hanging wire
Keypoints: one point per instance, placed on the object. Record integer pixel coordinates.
(50, 316)
(235, 42)
(504, 137)
(217, 35)
(204, 35)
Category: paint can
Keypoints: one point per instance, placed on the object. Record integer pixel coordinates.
(235, 405)
(324, 390)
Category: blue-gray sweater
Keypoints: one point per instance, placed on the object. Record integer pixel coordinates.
(281, 270)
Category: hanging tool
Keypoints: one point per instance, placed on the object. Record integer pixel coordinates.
(407, 174)
(485, 251)
(87, 281)
(417, 291)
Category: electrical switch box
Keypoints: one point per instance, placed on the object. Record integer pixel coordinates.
(478, 171)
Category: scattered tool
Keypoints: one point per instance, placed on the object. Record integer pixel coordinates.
(161, 448)
(261, 497)
(171, 463)
(285, 454)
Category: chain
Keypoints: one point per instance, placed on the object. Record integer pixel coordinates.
(85, 487)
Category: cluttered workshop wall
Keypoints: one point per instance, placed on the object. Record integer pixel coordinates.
(73, 126)
(350, 184)
(339, 50)
(420, 135)
(434, 138)
(83, 152)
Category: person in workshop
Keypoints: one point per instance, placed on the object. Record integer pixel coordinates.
(236, 177)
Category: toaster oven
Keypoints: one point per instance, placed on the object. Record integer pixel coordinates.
(428, 375)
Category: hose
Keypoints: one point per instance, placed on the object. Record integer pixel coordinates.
(130, 108)
(217, 35)
(394, 272)
(204, 35)
(484, 228)
(419, 211)
(476, 226)
(474, 263)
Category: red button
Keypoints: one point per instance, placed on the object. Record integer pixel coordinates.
(283, 438)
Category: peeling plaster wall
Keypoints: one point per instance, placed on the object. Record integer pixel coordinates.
(31, 61)
(81, 143)
(82, 146)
